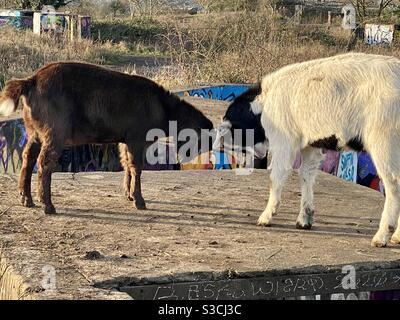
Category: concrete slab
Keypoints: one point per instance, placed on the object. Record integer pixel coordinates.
(199, 228)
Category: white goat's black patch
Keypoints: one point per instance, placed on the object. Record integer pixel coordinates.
(356, 144)
(331, 143)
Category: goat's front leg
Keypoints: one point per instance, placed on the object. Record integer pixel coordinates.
(311, 160)
(47, 160)
(136, 159)
(281, 167)
(137, 187)
(29, 157)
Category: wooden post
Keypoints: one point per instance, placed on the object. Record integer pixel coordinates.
(329, 18)
(298, 12)
(37, 23)
(79, 27)
(71, 21)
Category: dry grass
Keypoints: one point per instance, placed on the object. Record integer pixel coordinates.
(232, 47)
(244, 46)
(22, 52)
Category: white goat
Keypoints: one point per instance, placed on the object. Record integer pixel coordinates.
(350, 100)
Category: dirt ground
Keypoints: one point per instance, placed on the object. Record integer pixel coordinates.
(197, 221)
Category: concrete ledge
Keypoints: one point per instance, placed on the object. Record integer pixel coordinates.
(199, 230)
(12, 285)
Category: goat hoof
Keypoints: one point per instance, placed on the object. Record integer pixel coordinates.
(264, 223)
(140, 205)
(27, 202)
(306, 226)
(128, 196)
(50, 210)
(395, 239)
(378, 243)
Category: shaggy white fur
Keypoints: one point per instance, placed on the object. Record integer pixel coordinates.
(349, 96)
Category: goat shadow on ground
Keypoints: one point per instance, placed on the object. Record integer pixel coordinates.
(199, 219)
(281, 212)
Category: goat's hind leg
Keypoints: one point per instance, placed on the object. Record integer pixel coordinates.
(385, 157)
(390, 212)
(396, 235)
(135, 165)
(311, 160)
(281, 166)
(47, 160)
(29, 158)
(125, 160)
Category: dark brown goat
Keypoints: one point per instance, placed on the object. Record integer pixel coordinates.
(69, 103)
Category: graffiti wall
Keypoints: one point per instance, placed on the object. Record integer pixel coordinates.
(12, 142)
(351, 166)
(17, 19)
(86, 158)
(218, 92)
(84, 26)
(378, 34)
(72, 26)
(347, 167)
(54, 23)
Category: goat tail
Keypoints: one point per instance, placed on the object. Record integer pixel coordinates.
(9, 96)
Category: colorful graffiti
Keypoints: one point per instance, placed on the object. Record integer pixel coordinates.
(331, 161)
(366, 173)
(220, 92)
(17, 19)
(84, 26)
(47, 21)
(12, 142)
(72, 26)
(350, 166)
(347, 169)
(85, 158)
(378, 34)
(53, 23)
